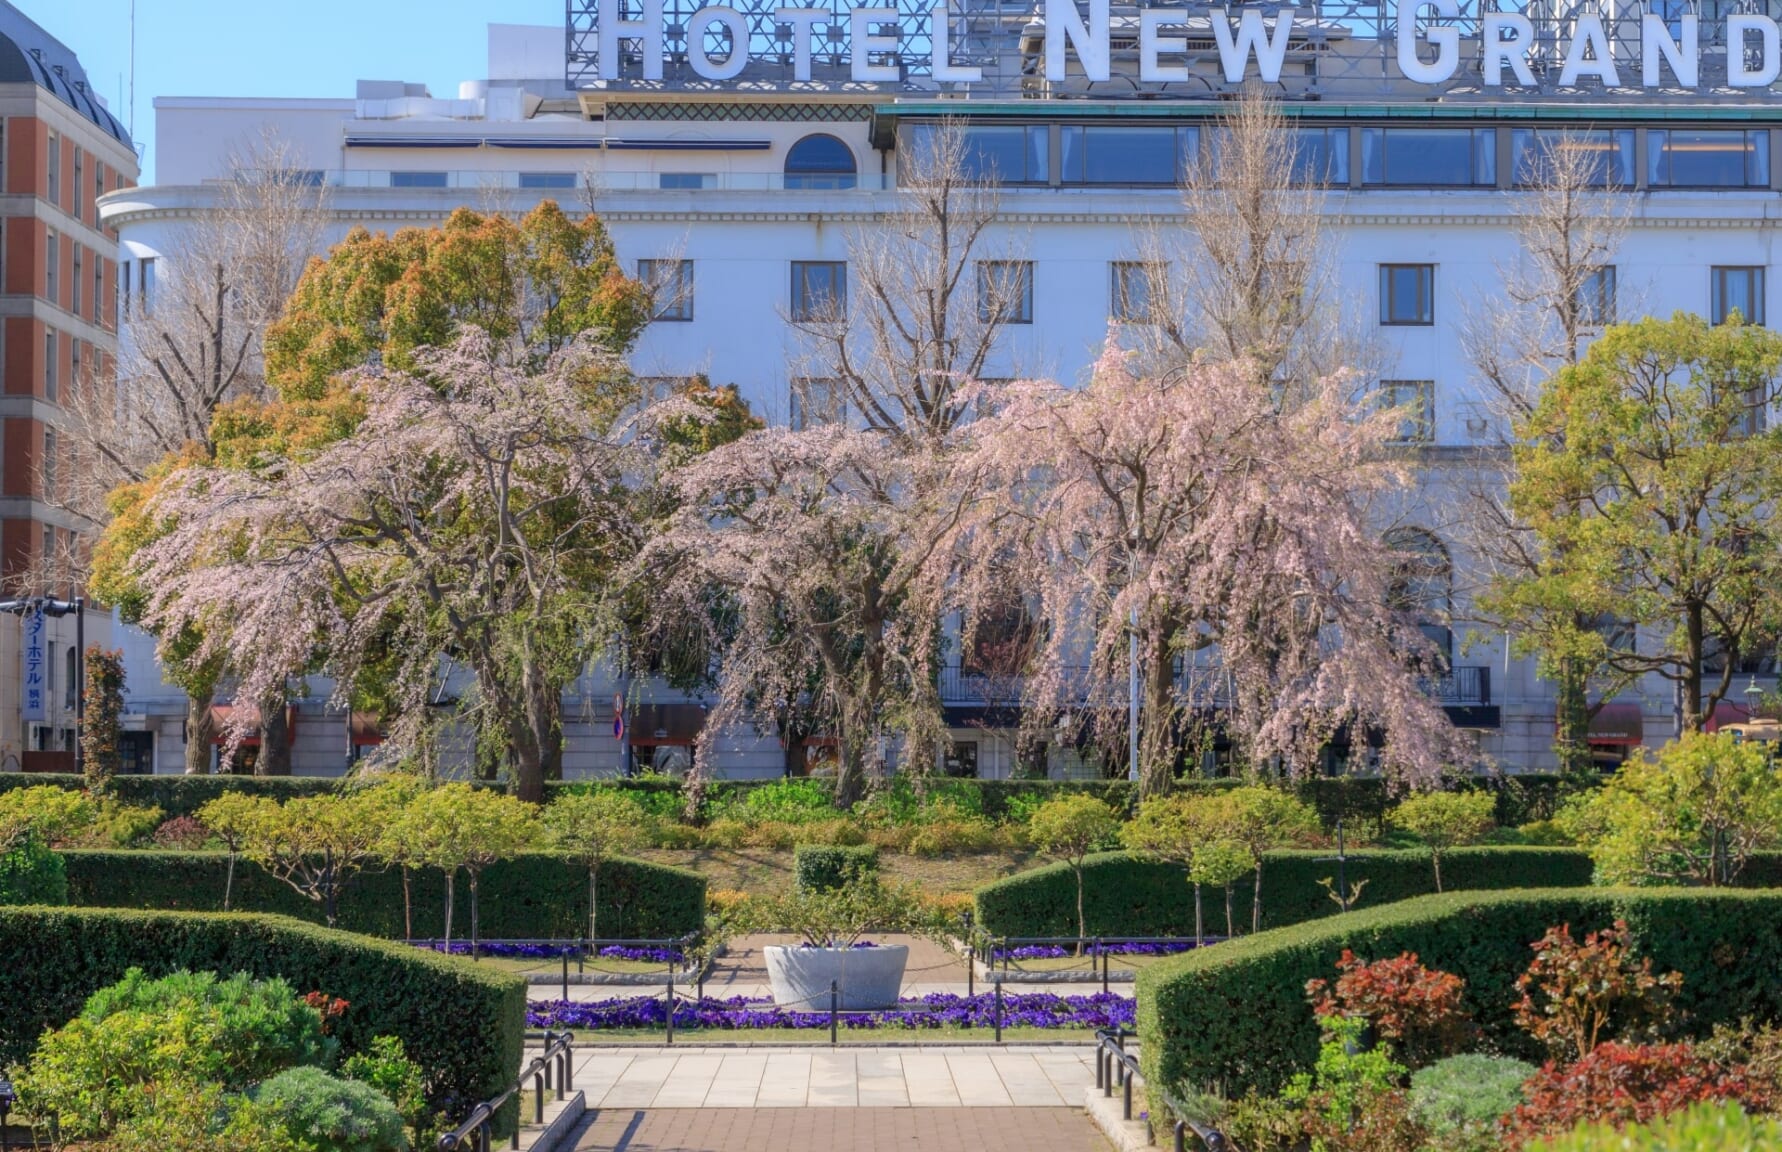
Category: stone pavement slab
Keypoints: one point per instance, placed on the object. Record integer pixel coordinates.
(840, 1130)
(1039, 1076)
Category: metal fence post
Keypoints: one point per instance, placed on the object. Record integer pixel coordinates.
(999, 1011)
(834, 1004)
(671, 1008)
(1101, 950)
(566, 974)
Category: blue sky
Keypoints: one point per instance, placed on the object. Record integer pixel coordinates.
(276, 47)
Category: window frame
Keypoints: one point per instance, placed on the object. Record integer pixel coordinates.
(1425, 297)
(1120, 299)
(1757, 284)
(1390, 395)
(1757, 150)
(802, 415)
(801, 304)
(656, 273)
(420, 178)
(1022, 311)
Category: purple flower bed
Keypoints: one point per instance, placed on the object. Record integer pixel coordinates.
(1032, 1010)
(650, 955)
(1059, 951)
(555, 951)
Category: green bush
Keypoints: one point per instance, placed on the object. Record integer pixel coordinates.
(1703, 1128)
(1236, 1014)
(789, 801)
(534, 895)
(461, 1021)
(329, 1115)
(820, 867)
(1133, 895)
(259, 1026)
(32, 874)
(1461, 1099)
(386, 1067)
(178, 795)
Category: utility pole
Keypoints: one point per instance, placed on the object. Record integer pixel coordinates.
(1132, 696)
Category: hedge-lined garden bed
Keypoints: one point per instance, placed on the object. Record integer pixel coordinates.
(463, 1023)
(533, 895)
(1134, 895)
(1521, 799)
(1237, 1016)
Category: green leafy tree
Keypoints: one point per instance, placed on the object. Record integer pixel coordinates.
(463, 828)
(591, 828)
(1646, 476)
(316, 844)
(46, 813)
(1168, 828)
(101, 732)
(1260, 818)
(395, 847)
(230, 818)
(1219, 864)
(1444, 820)
(386, 1066)
(1692, 815)
(1071, 827)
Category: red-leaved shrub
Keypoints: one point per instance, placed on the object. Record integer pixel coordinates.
(1416, 1008)
(1623, 1084)
(1578, 993)
(183, 832)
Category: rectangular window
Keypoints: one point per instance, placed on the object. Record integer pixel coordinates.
(686, 181)
(52, 269)
(1429, 157)
(1414, 402)
(1407, 293)
(1005, 291)
(1547, 156)
(1596, 297)
(50, 452)
(74, 362)
(817, 401)
(145, 285)
(1708, 159)
(99, 288)
(1321, 156)
(1129, 290)
(819, 289)
(1105, 154)
(993, 154)
(50, 349)
(558, 180)
(1737, 290)
(126, 286)
(53, 169)
(417, 179)
(98, 187)
(75, 282)
(80, 183)
(671, 287)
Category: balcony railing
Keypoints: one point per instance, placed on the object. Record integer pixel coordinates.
(1461, 686)
(595, 179)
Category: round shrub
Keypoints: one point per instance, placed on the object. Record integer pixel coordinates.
(32, 874)
(330, 1115)
(1462, 1098)
(820, 867)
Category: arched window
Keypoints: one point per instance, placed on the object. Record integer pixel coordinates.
(1423, 585)
(820, 162)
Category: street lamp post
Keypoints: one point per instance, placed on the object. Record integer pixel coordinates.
(50, 606)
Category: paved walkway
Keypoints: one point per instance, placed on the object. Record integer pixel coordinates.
(1019, 1076)
(841, 1130)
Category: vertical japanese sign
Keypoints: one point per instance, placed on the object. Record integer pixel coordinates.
(34, 694)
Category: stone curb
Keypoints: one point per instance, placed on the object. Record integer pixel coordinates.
(1104, 1112)
(567, 1114)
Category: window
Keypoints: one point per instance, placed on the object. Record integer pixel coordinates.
(52, 269)
(1414, 401)
(70, 681)
(53, 169)
(1429, 157)
(74, 362)
(1737, 290)
(80, 184)
(671, 287)
(145, 285)
(1005, 291)
(126, 289)
(558, 180)
(819, 289)
(961, 759)
(49, 366)
(1106, 154)
(74, 283)
(99, 288)
(1707, 159)
(820, 162)
(1321, 156)
(1129, 290)
(98, 187)
(1545, 156)
(1596, 297)
(686, 181)
(1423, 585)
(49, 472)
(1407, 293)
(417, 179)
(994, 154)
(817, 401)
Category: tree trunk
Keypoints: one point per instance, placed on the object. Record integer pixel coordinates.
(1157, 735)
(330, 888)
(408, 908)
(201, 732)
(1082, 921)
(593, 903)
(1256, 899)
(474, 925)
(1435, 858)
(530, 734)
(229, 880)
(1571, 722)
(275, 739)
(1694, 655)
(1199, 934)
(1230, 923)
(451, 884)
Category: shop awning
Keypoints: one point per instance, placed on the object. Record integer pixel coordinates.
(1621, 724)
(1726, 712)
(658, 725)
(365, 729)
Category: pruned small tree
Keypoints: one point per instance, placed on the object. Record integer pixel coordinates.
(1445, 820)
(231, 819)
(101, 732)
(459, 827)
(1070, 828)
(1221, 864)
(1170, 828)
(591, 828)
(1258, 818)
(315, 844)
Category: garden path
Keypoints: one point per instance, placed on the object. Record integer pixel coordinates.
(840, 1130)
(1014, 1076)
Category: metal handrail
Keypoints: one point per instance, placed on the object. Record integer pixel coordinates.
(553, 1068)
(1115, 1066)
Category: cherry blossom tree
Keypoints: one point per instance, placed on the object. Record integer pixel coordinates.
(1233, 531)
(472, 511)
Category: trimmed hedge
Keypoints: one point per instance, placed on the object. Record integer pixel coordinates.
(1235, 1015)
(1134, 895)
(32, 874)
(1520, 798)
(534, 895)
(462, 1022)
(821, 867)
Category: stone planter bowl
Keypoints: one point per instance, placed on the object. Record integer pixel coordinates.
(867, 977)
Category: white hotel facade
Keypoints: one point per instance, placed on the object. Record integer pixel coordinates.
(753, 171)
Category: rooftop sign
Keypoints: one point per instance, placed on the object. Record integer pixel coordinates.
(1056, 48)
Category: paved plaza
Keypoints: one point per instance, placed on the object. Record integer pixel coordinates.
(1053, 1129)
